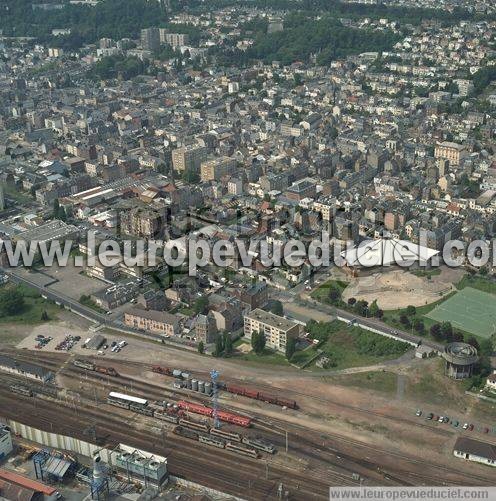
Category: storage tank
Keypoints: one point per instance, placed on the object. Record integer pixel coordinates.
(188, 384)
(201, 386)
(208, 388)
(194, 385)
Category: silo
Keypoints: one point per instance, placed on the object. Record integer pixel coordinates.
(194, 385)
(201, 386)
(208, 388)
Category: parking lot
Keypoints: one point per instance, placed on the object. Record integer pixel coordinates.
(65, 337)
(459, 424)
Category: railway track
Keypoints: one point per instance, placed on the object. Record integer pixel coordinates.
(308, 441)
(227, 472)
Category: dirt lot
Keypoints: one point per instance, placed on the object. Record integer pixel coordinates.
(398, 288)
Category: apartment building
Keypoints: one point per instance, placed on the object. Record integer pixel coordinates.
(189, 158)
(277, 330)
(159, 322)
(452, 152)
(214, 170)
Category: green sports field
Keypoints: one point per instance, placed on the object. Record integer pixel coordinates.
(470, 310)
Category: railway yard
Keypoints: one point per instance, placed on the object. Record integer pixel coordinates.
(143, 406)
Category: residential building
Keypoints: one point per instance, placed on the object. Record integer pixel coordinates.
(150, 39)
(277, 330)
(189, 158)
(159, 322)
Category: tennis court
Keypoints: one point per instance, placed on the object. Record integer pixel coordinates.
(470, 310)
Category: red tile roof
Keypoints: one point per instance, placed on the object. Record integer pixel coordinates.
(27, 483)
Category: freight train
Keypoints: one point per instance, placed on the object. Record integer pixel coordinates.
(227, 417)
(237, 390)
(258, 395)
(90, 366)
(238, 448)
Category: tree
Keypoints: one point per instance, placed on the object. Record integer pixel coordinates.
(258, 342)
(351, 301)
(56, 208)
(419, 326)
(290, 348)
(11, 302)
(201, 304)
(228, 345)
(473, 342)
(219, 346)
(411, 310)
(373, 308)
(436, 333)
(44, 316)
(190, 176)
(446, 330)
(275, 307)
(404, 320)
(201, 348)
(334, 294)
(361, 307)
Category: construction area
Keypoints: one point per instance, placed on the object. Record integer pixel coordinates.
(399, 288)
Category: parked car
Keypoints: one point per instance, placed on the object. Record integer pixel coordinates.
(418, 413)
(440, 419)
(465, 426)
(446, 419)
(470, 427)
(430, 415)
(455, 424)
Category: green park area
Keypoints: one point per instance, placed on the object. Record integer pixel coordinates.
(349, 346)
(469, 310)
(23, 305)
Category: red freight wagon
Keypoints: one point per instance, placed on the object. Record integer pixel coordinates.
(291, 404)
(251, 394)
(234, 419)
(195, 408)
(238, 390)
(161, 370)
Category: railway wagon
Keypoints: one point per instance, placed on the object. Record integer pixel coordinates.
(196, 408)
(21, 390)
(209, 440)
(228, 435)
(84, 364)
(259, 444)
(147, 411)
(163, 416)
(194, 424)
(185, 432)
(227, 417)
(264, 397)
(109, 371)
(122, 400)
(90, 366)
(242, 449)
(158, 369)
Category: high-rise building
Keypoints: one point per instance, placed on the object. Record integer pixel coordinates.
(150, 39)
(189, 158)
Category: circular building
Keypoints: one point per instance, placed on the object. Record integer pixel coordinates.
(460, 360)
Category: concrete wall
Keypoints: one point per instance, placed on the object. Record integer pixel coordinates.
(70, 444)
